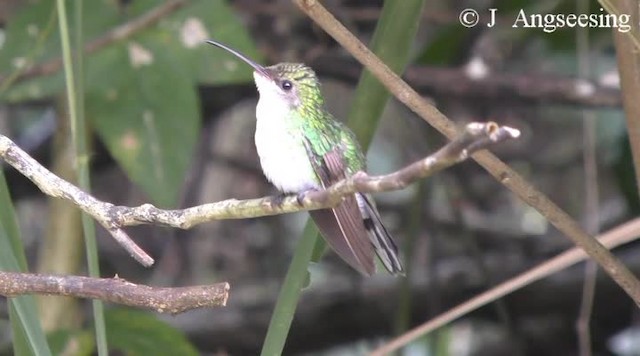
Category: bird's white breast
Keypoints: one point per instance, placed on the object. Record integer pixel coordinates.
(280, 147)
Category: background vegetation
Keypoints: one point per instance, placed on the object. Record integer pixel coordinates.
(152, 114)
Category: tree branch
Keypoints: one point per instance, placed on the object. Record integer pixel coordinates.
(475, 136)
(498, 169)
(116, 290)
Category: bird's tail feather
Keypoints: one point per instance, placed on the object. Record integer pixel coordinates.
(342, 228)
(382, 241)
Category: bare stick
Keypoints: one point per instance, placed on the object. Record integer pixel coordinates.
(617, 236)
(475, 136)
(498, 169)
(116, 290)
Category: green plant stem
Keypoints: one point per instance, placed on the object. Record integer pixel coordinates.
(78, 132)
(290, 293)
(391, 41)
(28, 337)
(416, 212)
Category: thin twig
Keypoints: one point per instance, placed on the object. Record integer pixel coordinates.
(475, 136)
(498, 169)
(116, 290)
(617, 236)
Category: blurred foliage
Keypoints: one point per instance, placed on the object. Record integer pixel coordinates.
(28, 335)
(626, 177)
(135, 332)
(446, 47)
(141, 100)
(130, 332)
(72, 342)
(140, 92)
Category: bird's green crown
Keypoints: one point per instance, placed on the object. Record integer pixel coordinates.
(299, 84)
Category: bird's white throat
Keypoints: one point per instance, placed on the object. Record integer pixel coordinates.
(279, 142)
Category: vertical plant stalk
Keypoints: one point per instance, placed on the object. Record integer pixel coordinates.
(629, 71)
(78, 132)
(370, 99)
(60, 251)
(391, 42)
(28, 337)
(583, 323)
(294, 282)
(416, 219)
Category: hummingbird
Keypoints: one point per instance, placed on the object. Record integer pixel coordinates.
(302, 147)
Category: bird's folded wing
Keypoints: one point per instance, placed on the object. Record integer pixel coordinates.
(342, 227)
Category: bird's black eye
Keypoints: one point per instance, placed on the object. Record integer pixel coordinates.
(286, 85)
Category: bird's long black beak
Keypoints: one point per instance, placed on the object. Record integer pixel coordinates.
(258, 68)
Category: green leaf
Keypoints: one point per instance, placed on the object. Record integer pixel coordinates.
(23, 313)
(183, 35)
(295, 281)
(30, 41)
(141, 92)
(147, 114)
(136, 332)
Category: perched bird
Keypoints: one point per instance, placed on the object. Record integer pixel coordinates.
(303, 147)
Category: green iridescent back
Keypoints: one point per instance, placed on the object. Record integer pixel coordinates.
(320, 128)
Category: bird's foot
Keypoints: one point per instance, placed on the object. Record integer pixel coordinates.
(277, 200)
(301, 195)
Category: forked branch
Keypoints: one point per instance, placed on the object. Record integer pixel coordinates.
(474, 137)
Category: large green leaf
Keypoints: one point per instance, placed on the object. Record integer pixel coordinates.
(141, 92)
(147, 114)
(30, 39)
(184, 33)
(23, 310)
(135, 332)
